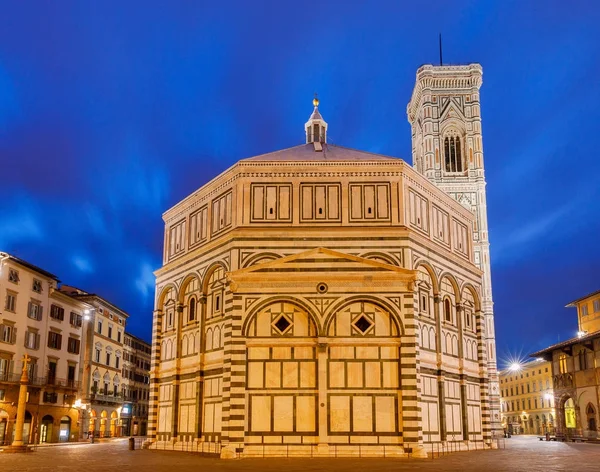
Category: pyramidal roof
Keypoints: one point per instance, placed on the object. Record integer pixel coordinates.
(316, 115)
(330, 152)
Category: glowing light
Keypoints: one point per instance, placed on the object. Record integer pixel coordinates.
(515, 367)
(581, 334)
(548, 396)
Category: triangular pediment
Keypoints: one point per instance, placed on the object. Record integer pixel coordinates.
(323, 260)
(451, 112)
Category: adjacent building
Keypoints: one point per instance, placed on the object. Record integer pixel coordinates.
(321, 299)
(575, 373)
(527, 398)
(135, 387)
(104, 332)
(40, 321)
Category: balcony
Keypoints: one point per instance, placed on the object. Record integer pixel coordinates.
(63, 384)
(102, 398)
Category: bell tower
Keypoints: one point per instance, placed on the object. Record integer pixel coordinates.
(445, 117)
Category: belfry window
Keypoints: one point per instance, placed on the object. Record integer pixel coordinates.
(447, 311)
(192, 316)
(452, 154)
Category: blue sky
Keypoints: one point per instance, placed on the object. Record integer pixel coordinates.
(111, 112)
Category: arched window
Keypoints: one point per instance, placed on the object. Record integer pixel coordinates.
(562, 363)
(591, 417)
(453, 154)
(447, 311)
(192, 309)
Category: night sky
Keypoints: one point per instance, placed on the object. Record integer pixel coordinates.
(111, 112)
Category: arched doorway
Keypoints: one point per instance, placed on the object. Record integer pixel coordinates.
(114, 418)
(65, 429)
(46, 429)
(92, 423)
(570, 417)
(3, 426)
(103, 421)
(590, 414)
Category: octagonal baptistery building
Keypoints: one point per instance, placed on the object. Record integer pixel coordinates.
(319, 301)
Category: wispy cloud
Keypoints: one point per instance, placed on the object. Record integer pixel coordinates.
(145, 281)
(83, 264)
(20, 223)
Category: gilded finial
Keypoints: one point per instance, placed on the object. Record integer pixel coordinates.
(316, 100)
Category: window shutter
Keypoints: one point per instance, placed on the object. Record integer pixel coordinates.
(14, 336)
(40, 313)
(11, 367)
(37, 343)
(29, 309)
(59, 338)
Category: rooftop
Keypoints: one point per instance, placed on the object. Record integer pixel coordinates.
(307, 153)
(83, 295)
(564, 344)
(589, 295)
(28, 265)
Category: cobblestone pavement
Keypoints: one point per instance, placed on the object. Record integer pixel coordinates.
(522, 453)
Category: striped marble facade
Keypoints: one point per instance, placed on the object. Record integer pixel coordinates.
(284, 336)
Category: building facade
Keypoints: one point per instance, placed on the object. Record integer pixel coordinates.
(319, 298)
(104, 333)
(576, 375)
(527, 399)
(40, 321)
(136, 385)
(447, 148)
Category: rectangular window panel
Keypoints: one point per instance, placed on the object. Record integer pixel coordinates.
(255, 374)
(385, 414)
(355, 374)
(356, 202)
(372, 374)
(337, 375)
(390, 374)
(283, 413)
(307, 202)
(290, 375)
(284, 203)
(382, 202)
(339, 413)
(362, 413)
(305, 413)
(273, 375)
(261, 413)
(308, 375)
